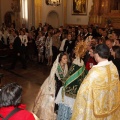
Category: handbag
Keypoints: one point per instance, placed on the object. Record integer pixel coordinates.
(11, 113)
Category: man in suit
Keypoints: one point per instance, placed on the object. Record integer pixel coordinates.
(39, 27)
(110, 43)
(45, 29)
(69, 44)
(86, 34)
(61, 33)
(17, 51)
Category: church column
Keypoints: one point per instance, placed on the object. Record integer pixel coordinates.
(105, 7)
(65, 11)
(31, 13)
(38, 12)
(95, 13)
(0, 13)
(96, 7)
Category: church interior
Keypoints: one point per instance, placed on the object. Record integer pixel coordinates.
(34, 14)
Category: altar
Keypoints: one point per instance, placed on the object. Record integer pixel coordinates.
(104, 12)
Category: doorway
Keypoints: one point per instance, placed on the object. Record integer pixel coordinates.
(9, 18)
(53, 19)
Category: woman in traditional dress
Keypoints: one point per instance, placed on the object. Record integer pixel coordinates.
(67, 94)
(45, 101)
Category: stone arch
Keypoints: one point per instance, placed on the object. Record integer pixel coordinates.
(53, 19)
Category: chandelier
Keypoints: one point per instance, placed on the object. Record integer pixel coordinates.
(54, 2)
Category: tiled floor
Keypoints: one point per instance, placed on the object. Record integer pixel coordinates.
(30, 79)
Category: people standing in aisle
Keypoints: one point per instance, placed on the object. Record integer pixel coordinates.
(117, 42)
(110, 43)
(48, 49)
(40, 28)
(86, 34)
(17, 51)
(61, 36)
(24, 42)
(45, 30)
(56, 44)
(69, 45)
(40, 43)
(91, 61)
(63, 42)
(31, 45)
(115, 52)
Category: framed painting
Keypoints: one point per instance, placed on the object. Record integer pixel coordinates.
(79, 7)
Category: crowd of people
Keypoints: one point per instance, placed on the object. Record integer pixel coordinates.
(47, 42)
(85, 69)
(93, 52)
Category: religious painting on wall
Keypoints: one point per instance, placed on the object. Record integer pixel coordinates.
(79, 7)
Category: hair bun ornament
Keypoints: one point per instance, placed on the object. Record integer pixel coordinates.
(80, 49)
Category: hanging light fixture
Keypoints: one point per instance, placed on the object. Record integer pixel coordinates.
(54, 2)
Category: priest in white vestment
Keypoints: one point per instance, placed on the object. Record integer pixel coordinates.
(98, 97)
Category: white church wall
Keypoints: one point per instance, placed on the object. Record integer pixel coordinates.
(71, 19)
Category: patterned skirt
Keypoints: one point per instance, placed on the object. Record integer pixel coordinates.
(64, 112)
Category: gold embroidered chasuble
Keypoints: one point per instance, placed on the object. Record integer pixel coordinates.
(98, 97)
